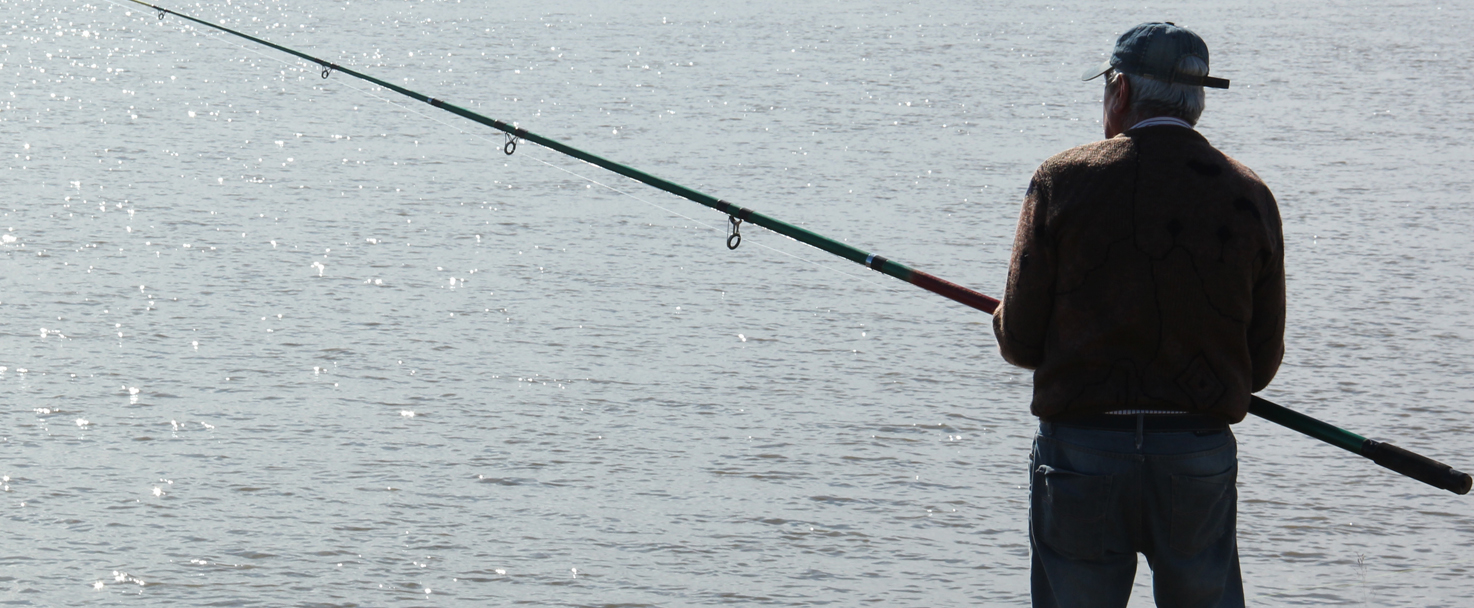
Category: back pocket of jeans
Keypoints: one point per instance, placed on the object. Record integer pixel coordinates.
(1202, 510)
(1071, 511)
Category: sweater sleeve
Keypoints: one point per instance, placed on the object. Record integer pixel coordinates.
(1022, 319)
(1266, 335)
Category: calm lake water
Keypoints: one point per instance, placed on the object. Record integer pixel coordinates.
(270, 339)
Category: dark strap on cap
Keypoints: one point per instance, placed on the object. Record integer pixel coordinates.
(1204, 81)
(1215, 83)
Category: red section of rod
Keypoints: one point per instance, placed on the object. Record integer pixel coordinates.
(953, 291)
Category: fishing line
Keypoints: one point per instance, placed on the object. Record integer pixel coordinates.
(593, 181)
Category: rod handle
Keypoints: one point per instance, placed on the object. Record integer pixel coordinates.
(1417, 466)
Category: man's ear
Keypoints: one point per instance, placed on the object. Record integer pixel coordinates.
(1122, 94)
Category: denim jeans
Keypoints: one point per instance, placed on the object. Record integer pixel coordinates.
(1097, 498)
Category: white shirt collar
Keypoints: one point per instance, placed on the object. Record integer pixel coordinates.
(1162, 120)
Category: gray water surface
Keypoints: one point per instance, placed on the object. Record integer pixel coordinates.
(270, 339)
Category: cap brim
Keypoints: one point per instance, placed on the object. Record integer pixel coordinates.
(1096, 71)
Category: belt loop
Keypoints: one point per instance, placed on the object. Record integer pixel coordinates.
(1140, 429)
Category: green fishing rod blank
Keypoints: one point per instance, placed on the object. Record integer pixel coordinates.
(738, 214)
(1416, 466)
(1397, 459)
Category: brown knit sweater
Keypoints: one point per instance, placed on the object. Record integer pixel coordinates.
(1148, 272)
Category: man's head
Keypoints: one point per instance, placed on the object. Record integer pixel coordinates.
(1156, 69)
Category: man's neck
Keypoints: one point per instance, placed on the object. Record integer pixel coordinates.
(1161, 120)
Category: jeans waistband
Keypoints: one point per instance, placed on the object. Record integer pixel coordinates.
(1146, 423)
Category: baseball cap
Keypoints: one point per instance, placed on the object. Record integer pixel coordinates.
(1152, 50)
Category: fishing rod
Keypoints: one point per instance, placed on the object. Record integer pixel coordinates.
(736, 215)
(1413, 465)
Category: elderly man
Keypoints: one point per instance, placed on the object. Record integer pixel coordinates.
(1147, 293)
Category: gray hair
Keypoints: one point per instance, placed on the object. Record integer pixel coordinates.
(1151, 97)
